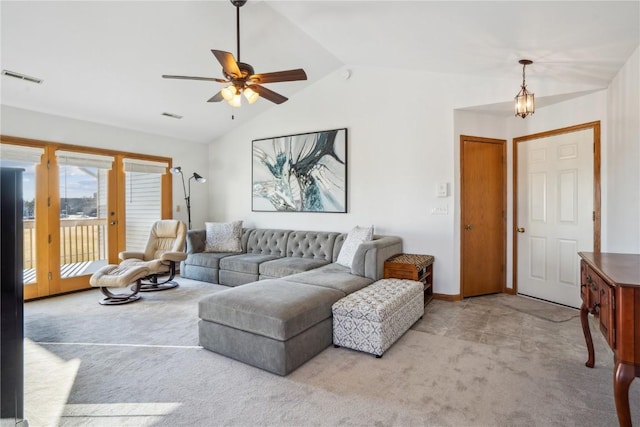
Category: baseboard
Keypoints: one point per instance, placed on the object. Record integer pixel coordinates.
(446, 297)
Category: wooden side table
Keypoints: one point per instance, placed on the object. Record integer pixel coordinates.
(413, 267)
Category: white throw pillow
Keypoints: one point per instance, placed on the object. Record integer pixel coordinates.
(223, 236)
(356, 236)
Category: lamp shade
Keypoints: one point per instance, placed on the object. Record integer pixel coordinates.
(228, 92)
(251, 95)
(236, 101)
(176, 171)
(199, 178)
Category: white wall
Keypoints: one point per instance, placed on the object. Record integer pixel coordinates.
(191, 156)
(623, 160)
(401, 143)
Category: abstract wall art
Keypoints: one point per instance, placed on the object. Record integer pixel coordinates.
(300, 173)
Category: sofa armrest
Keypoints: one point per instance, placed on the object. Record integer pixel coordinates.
(196, 241)
(369, 259)
(173, 256)
(130, 254)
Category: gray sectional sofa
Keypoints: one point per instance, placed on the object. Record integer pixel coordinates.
(281, 315)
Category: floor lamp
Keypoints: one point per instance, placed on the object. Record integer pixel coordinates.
(187, 195)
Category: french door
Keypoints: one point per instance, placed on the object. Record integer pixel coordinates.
(81, 208)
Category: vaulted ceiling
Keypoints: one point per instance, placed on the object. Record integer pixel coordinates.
(102, 61)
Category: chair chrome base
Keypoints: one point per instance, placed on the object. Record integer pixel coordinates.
(118, 299)
(153, 285)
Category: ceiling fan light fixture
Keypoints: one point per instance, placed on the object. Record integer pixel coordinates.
(251, 95)
(524, 101)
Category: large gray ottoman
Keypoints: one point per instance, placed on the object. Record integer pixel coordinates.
(373, 318)
(275, 325)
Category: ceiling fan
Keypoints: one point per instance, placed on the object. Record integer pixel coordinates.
(242, 77)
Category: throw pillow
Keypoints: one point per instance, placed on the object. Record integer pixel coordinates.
(223, 236)
(355, 237)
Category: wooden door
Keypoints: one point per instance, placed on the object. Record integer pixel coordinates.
(483, 223)
(555, 213)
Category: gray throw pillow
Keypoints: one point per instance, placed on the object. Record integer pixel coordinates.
(223, 236)
(355, 237)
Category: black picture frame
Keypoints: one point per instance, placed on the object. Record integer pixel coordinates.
(304, 172)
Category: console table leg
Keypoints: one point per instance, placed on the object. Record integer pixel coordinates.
(623, 374)
(584, 319)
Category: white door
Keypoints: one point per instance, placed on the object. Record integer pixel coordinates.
(555, 214)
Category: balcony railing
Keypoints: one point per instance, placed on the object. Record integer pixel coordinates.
(83, 244)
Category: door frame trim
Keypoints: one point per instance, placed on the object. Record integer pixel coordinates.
(502, 142)
(596, 186)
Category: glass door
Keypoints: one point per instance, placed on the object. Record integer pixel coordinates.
(84, 224)
(34, 247)
(143, 200)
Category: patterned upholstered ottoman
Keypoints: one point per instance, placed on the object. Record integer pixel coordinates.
(373, 318)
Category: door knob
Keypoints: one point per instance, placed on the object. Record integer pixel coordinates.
(112, 223)
(468, 227)
(520, 229)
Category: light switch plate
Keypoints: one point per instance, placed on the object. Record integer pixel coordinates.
(440, 210)
(442, 189)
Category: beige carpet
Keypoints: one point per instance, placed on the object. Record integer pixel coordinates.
(139, 365)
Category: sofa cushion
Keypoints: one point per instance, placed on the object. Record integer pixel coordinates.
(207, 259)
(223, 236)
(356, 236)
(289, 265)
(245, 263)
(273, 308)
(334, 276)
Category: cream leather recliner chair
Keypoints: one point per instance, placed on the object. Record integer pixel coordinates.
(165, 249)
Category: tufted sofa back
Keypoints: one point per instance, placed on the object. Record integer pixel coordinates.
(311, 244)
(268, 242)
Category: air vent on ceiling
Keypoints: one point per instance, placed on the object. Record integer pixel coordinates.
(21, 76)
(173, 116)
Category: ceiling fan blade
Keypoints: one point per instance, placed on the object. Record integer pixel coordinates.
(216, 98)
(228, 62)
(279, 76)
(268, 94)
(209, 79)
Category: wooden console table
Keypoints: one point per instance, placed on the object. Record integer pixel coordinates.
(610, 290)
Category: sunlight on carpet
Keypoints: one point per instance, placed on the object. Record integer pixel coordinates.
(48, 382)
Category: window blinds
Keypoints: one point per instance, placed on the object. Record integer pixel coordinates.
(145, 166)
(21, 153)
(76, 158)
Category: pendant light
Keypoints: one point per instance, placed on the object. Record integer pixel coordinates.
(524, 100)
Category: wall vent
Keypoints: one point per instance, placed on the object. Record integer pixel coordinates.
(21, 76)
(173, 116)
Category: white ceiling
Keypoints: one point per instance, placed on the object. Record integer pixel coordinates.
(102, 61)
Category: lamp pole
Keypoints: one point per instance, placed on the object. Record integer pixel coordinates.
(187, 195)
(187, 199)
